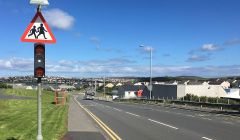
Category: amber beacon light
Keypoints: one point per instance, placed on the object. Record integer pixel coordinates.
(39, 60)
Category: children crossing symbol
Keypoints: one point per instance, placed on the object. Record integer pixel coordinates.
(38, 31)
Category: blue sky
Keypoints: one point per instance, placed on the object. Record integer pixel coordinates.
(102, 37)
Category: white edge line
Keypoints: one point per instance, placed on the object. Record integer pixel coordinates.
(117, 109)
(163, 124)
(133, 114)
(206, 138)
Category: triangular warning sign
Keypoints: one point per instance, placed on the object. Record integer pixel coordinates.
(38, 31)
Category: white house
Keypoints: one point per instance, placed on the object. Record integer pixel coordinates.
(109, 85)
(233, 93)
(29, 88)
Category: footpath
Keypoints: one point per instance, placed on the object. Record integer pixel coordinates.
(80, 125)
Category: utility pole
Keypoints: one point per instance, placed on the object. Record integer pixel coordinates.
(95, 86)
(150, 89)
(150, 79)
(104, 90)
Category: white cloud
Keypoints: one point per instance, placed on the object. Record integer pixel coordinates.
(232, 42)
(197, 58)
(20, 64)
(111, 67)
(209, 47)
(96, 41)
(59, 19)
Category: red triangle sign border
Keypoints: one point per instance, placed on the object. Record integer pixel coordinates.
(38, 14)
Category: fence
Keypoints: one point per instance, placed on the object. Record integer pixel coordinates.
(199, 104)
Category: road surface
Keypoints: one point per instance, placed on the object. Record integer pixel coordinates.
(148, 122)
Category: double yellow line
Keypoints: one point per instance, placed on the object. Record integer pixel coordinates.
(109, 131)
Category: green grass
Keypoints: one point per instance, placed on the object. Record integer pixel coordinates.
(18, 118)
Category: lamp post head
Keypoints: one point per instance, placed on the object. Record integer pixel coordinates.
(39, 2)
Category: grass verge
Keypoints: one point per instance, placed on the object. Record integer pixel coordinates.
(18, 118)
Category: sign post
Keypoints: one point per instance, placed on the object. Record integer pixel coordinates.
(39, 100)
(39, 73)
(39, 32)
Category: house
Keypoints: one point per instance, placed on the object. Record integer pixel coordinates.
(119, 84)
(233, 93)
(109, 85)
(29, 88)
(165, 91)
(173, 91)
(225, 84)
(66, 87)
(132, 88)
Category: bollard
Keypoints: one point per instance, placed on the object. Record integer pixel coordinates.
(201, 106)
(221, 108)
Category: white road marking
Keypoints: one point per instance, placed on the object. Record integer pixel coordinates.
(191, 116)
(107, 106)
(207, 119)
(227, 122)
(206, 138)
(133, 114)
(88, 105)
(163, 124)
(117, 109)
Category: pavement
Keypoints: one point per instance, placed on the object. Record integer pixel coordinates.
(149, 122)
(80, 125)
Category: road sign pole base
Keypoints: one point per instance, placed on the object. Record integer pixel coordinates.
(39, 137)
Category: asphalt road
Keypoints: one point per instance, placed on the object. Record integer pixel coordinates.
(148, 122)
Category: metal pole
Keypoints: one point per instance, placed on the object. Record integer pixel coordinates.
(39, 136)
(95, 86)
(39, 8)
(104, 86)
(150, 73)
(39, 99)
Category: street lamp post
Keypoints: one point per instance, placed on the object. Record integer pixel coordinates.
(104, 90)
(150, 80)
